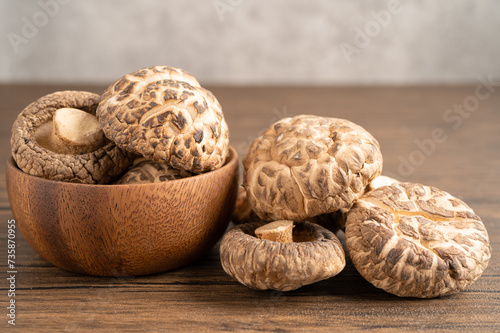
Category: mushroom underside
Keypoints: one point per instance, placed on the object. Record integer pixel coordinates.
(97, 166)
(315, 254)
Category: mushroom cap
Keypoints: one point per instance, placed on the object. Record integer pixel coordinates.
(98, 166)
(147, 171)
(316, 254)
(163, 114)
(308, 165)
(416, 241)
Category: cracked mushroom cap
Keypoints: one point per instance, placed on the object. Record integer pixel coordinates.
(33, 152)
(416, 241)
(146, 171)
(315, 254)
(308, 165)
(163, 114)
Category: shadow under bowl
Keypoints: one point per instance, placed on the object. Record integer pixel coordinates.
(123, 230)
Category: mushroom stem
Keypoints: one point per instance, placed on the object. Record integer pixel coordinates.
(76, 132)
(278, 231)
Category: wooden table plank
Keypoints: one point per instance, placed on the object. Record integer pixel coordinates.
(201, 297)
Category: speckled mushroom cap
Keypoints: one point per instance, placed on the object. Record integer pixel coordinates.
(163, 114)
(98, 166)
(308, 165)
(416, 241)
(146, 171)
(316, 254)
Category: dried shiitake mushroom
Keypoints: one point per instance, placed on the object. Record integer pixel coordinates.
(69, 147)
(146, 171)
(308, 165)
(416, 241)
(294, 254)
(163, 114)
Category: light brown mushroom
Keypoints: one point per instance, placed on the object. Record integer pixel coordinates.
(32, 143)
(164, 115)
(416, 241)
(315, 254)
(307, 165)
(146, 171)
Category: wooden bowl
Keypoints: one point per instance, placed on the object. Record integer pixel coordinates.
(123, 230)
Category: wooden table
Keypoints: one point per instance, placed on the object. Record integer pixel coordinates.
(201, 297)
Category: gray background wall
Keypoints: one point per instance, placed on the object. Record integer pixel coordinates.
(252, 42)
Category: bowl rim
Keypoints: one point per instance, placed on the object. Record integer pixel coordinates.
(231, 160)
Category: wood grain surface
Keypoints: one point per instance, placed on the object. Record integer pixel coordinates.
(423, 139)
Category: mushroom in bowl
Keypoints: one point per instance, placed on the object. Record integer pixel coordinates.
(143, 171)
(58, 148)
(163, 114)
